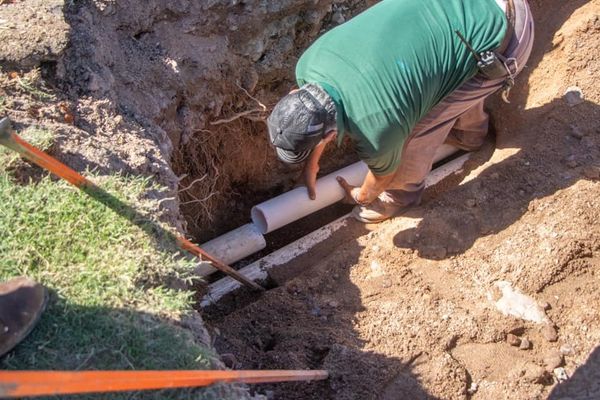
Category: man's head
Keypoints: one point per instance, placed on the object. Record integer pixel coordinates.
(298, 123)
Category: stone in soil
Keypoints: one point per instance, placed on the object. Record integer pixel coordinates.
(591, 172)
(567, 349)
(576, 132)
(574, 96)
(533, 373)
(552, 360)
(561, 374)
(572, 164)
(525, 344)
(513, 340)
(549, 333)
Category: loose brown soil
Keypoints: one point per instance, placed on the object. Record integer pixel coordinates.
(403, 311)
(396, 311)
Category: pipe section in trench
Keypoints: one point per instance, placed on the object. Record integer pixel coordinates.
(258, 270)
(283, 210)
(295, 204)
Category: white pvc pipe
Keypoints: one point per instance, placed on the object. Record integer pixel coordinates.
(295, 204)
(258, 270)
(231, 247)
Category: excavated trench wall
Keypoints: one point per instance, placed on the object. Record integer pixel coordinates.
(199, 78)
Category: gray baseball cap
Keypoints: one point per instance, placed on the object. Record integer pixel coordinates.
(296, 125)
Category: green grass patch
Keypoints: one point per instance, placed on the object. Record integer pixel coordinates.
(41, 138)
(107, 307)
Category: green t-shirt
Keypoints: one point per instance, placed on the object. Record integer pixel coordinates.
(389, 66)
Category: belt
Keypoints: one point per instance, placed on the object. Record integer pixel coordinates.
(510, 30)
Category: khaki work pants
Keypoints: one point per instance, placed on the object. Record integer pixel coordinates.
(461, 112)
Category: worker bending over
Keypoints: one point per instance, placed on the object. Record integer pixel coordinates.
(399, 80)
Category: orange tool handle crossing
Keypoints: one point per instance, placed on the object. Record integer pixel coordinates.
(11, 140)
(14, 384)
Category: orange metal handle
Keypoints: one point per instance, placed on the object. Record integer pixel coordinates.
(15, 384)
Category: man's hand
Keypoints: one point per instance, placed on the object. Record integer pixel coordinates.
(351, 191)
(311, 168)
(309, 175)
(372, 187)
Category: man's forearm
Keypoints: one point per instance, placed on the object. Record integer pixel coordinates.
(372, 187)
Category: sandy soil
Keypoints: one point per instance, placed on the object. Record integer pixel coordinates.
(400, 310)
(404, 310)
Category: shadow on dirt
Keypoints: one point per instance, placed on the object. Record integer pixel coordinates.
(78, 338)
(505, 190)
(585, 382)
(540, 151)
(310, 320)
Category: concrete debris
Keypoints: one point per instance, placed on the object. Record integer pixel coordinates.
(473, 388)
(574, 96)
(513, 302)
(561, 374)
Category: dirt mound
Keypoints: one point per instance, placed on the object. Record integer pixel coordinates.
(177, 90)
(174, 90)
(407, 311)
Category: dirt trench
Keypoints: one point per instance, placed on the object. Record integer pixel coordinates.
(405, 310)
(175, 90)
(201, 77)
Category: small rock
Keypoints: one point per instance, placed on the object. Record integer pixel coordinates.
(470, 203)
(567, 349)
(338, 17)
(336, 276)
(438, 252)
(525, 344)
(495, 175)
(574, 96)
(229, 360)
(333, 304)
(591, 172)
(553, 360)
(561, 374)
(549, 333)
(473, 388)
(545, 305)
(572, 164)
(534, 373)
(270, 394)
(292, 288)
(513, 340)
(576, 132)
